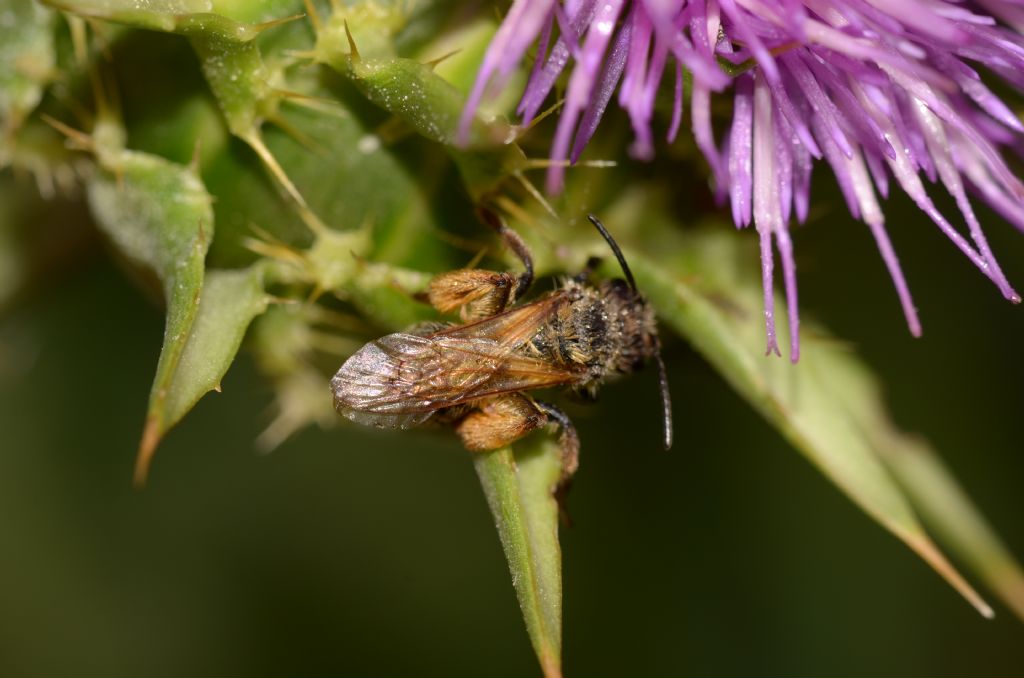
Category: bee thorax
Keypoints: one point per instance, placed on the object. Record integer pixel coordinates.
(609, 330)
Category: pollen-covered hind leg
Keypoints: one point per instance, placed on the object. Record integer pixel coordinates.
(498, 422)
(475, 292)
(479, 293)
(503, 420)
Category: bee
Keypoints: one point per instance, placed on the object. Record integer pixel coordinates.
(475, 375)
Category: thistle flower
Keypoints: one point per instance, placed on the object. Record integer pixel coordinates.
(880, 90)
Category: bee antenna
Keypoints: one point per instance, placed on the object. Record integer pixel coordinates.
(616, 251)
(666, 397)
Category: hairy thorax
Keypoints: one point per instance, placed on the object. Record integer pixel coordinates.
(608, 330)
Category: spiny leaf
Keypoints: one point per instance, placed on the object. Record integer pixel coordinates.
(335, 263)
(159, 215)
(415, 94)
(518, 487)
(230, 60)
(816, 404)
(229, 302)
(418, 96)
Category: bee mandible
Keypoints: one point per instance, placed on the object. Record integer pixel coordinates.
(475, 376)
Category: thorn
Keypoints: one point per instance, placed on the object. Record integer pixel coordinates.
(313, 103)
(296, 135)
(544, 114)
(515, 211)
(544, 163)
(314, 17)
(292, 94)
(537, 195)
(266, 235)
(98, 28)
(256, 143)
(352, 51)
(432, 64)
(217, 388)
(84, 141)
(272, 250)
(315, 293)
(286, 422)
(475, 261)
(271, 300)
(259, 28)
(931, 554)
(79, 39)
(466, 244)
(80, 112)
(312, 221)
(103, 109)
(147, 448)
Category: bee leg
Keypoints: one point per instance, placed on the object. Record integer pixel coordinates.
(479, 293)
(569, 442)
(497, 422)
(475, 292)
(500, 421)
(515, 243)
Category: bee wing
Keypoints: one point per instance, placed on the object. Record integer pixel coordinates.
(377, 386)
(511, 328)
(399, 380)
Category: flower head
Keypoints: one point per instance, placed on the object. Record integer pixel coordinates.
(881, 90)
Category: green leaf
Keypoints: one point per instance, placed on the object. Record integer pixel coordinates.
(518, 487)
(230, 59)
(426, 102)
(826, 405)
(418, 96)
(229, 302)
(159, 215)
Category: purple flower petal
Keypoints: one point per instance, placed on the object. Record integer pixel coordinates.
(879, 89)
(740, 144)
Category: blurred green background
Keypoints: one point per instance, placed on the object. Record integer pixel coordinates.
(356, 552)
